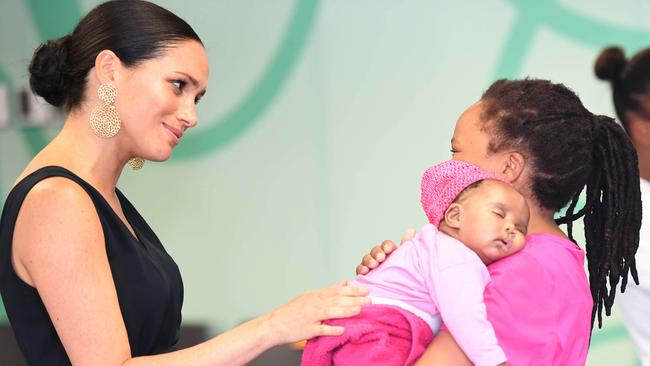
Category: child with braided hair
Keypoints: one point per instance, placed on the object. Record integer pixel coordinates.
(475, 219)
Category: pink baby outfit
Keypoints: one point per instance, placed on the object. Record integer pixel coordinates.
(431, 276)
(539, 303)
(379, 335)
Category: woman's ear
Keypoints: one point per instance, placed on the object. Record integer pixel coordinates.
(513, 166)
(106, 64)
(453, 215)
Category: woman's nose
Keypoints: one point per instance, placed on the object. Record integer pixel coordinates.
(188, 117)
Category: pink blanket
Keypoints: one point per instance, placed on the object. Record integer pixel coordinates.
(379, 335)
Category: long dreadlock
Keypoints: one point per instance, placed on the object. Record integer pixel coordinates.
(612, 215)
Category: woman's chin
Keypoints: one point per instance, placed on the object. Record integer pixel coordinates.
(159, 156)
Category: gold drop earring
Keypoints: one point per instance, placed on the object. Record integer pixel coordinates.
(104, 120)
(136, 163)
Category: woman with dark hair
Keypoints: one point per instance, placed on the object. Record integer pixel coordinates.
(83, 278)
(538, 136)
(630, 82)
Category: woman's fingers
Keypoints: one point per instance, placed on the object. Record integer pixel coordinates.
(301, 318)
(375, 257)
(369, 260)
(408, 235)
(336, 312)
(341, 288)
(328, 330)
(353, 291)
(341, 301)
(378, 252)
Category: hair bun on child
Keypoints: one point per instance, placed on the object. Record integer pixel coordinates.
(610, 63)
(47, 71)
(442, 183)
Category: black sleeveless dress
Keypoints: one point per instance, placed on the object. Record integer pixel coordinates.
(148, 282)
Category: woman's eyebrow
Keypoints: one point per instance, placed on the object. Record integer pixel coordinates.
(192, 80)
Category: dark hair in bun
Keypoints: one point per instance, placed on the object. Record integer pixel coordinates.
(610, 63)
(47, 71)
(135, 30)
(630, 81)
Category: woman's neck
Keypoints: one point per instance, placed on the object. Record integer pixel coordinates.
(97, 161)
(542, 221)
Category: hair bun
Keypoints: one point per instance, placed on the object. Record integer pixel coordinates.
(610, 63)
(47, 71)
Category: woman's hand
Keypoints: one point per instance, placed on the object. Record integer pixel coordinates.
(301, 318)
(379, 253)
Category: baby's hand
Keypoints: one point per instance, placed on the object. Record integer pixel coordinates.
(380, 252)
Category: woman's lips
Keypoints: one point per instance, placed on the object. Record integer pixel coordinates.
(175, 132)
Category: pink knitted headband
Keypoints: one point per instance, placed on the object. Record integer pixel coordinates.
(442, 183)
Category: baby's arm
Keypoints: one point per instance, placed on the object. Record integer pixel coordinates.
(459, 291)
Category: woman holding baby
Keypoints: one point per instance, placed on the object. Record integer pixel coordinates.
(538, 136)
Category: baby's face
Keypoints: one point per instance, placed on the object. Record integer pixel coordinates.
(494, 220)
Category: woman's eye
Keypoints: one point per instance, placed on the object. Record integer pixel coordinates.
(179, 84)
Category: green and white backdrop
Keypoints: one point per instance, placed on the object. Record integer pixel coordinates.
(320, 117)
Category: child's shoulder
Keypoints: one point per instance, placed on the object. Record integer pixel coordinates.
(447, 250)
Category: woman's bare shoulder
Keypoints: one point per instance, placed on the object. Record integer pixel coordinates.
(57, 220)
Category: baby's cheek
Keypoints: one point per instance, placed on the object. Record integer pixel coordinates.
(522, 243)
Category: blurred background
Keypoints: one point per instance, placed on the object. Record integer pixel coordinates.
(319, 120)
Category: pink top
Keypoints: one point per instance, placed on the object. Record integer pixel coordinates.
(436, 274)
(539, 303)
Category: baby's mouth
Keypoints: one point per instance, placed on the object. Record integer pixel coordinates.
(504, 243)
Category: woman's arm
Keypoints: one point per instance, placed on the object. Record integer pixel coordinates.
(443, 351)
(59, 248)
(299, 319)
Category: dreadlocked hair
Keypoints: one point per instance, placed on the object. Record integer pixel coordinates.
(569, 148)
